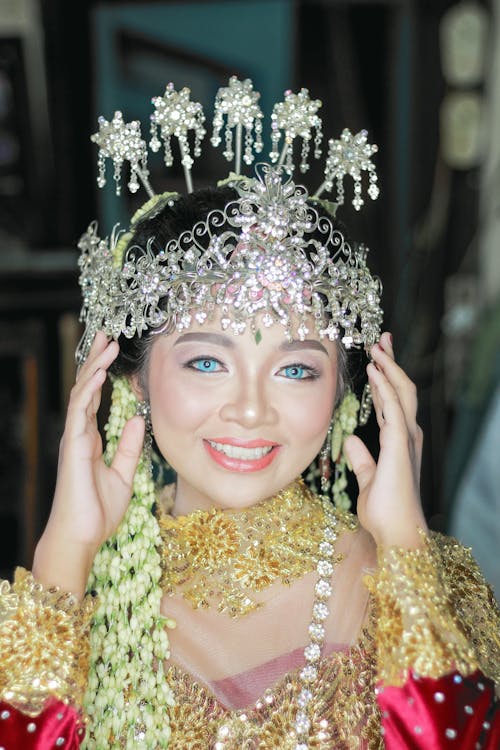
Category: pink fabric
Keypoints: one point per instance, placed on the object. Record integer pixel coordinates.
(459, 713)
(56, 722)
(242, 690)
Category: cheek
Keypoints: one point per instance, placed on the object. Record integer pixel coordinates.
(308, 414)
(176, 402)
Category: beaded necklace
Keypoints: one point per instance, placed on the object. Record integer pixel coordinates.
(218, 558)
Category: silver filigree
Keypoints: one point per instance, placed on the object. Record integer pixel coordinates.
(296, 116)
(238, 102)
(175, 115)
(350, 154)
(268, 254)
(122, 141)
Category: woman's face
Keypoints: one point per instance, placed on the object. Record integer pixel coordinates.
(236, 419)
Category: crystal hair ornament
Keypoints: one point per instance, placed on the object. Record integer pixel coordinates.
(121, 141)
(295, 116)
(238, 102)
(350, 154)
(268, 252)
(175, 115)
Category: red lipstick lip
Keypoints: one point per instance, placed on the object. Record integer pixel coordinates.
(241, 465)
(241, 443)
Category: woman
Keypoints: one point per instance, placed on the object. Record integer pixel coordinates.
(291, 623)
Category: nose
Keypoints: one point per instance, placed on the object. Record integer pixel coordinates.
(249, 405)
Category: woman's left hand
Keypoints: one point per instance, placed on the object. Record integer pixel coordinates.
(389, 506)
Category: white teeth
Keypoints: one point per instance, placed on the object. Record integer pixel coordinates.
(235, 451)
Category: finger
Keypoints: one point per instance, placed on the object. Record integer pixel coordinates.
(399, 380)
(98, 345)
(77, 418)
(102, 360)
(129, 450)
(387, 405)
(361, 460)
(377, 404)
(386, 344)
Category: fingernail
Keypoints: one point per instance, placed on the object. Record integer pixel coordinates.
(390, 338)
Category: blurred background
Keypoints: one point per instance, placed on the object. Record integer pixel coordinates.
(422, 76)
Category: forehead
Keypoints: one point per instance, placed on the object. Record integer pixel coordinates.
(260, 340)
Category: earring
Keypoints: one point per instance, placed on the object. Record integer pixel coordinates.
(325, 463)
(143, 409)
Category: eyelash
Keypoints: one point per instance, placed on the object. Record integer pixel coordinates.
(191, 364)
(312, 372)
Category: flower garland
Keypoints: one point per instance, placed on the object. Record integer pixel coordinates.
(128, 697)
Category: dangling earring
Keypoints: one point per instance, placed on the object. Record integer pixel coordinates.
(366, 405)
(325, 463)
(143, 409)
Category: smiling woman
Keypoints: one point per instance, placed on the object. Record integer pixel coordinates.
(224, 318)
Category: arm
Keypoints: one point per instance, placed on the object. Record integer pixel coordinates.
(44, 629)
(434, 688)
(44, 655)
(437, 648)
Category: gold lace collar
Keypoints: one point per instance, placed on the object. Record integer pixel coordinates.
(221, 558)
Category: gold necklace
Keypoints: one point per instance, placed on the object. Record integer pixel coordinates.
(220, 558)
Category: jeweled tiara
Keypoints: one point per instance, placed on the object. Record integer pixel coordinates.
(269, 256)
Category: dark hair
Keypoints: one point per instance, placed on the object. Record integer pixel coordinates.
(155, 230)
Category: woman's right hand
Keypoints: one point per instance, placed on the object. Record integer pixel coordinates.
(90, 498)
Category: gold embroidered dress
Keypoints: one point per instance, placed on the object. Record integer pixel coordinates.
(409, 657)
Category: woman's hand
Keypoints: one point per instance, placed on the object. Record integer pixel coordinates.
(90, 498)
(389, 504)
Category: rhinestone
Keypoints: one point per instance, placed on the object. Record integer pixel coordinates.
(325, 568)
(480, 686)
(219, 746)
(330, 534)
(302, 723)
(320, 611)
(417, 730)
(312, 652)
(323, 723)
(301, 746)
(31, 727)
(439, 697)
(486, 725)
(316, 631)
(5, 715)
(309, 674)
(451, 734)
(325, 549)
(223, 731)
(457, 679)
(60, 716)
(59, 741)
(323, 589)
(469, 710)
(304, 697)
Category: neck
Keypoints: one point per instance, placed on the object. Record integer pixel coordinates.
(188, 499)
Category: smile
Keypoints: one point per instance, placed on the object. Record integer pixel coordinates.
(237, 451)
(252, 456)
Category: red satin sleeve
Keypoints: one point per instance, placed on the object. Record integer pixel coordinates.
(449, 713)
(58, 726)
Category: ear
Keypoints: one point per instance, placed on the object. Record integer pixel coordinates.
(137, 387)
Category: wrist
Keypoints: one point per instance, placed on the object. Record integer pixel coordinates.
(61, 562)
(409, 536)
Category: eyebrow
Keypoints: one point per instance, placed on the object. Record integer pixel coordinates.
(291, 346)
(211, 338)
(226, 341)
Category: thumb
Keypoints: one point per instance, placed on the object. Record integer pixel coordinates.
(360, 459)
(129, 449)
